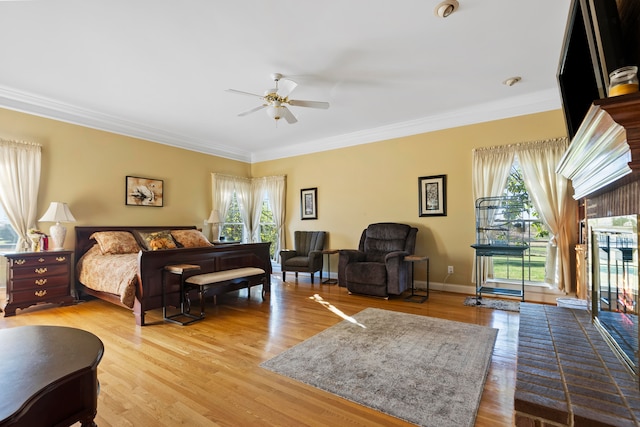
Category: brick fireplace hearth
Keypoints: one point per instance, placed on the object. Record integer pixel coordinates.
(567, 375)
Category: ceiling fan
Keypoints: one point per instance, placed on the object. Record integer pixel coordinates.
(277, 99)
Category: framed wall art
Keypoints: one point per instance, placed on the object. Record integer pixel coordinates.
(309, 203)
(144, 192)
(432, 192)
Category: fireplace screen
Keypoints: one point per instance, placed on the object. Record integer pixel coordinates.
(613, 296)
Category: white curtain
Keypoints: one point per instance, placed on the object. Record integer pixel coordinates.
(20, 164)
(491, 168)
(257, 192)
(551, 195)
(245, 203)
(250, 194)
(275, 187)
(222, 195)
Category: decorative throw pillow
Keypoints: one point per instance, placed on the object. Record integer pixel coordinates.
(190, 238)
(156, 240)
(116, 242)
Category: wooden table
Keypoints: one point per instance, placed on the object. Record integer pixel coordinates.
(49, 376)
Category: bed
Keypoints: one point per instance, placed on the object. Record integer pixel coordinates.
(130, 275)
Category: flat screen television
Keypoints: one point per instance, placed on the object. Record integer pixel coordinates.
(593, 47)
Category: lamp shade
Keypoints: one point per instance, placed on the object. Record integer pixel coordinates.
(58, 212)
(214, 217)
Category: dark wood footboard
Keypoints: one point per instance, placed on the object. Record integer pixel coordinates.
(151, 265)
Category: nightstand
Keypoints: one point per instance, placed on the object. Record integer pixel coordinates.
(37, 277)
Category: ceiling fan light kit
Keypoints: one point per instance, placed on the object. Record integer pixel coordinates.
(276, 100)
(274, 112)
(446, 8)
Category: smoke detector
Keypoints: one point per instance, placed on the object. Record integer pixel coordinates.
(511, 81)
(446, 8)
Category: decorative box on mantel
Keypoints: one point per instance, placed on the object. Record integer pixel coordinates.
(606, 147)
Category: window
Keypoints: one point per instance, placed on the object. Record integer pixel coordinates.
(20, 176)
(537, 160)
(268, 231)
(264, 197)
(536, 235)
(233, 227)
(8, 237)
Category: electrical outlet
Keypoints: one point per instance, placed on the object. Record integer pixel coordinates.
(450, 269)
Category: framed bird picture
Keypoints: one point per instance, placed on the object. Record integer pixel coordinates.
(144, 192)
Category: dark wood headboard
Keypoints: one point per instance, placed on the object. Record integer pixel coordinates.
(83, 234)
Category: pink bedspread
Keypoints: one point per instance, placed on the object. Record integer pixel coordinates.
(116, 274)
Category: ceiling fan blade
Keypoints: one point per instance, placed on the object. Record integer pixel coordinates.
(312, 104)
(288, 115)
(285, 87)
(253, 110)
(244, 93)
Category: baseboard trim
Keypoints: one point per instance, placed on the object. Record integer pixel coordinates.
(532, 293)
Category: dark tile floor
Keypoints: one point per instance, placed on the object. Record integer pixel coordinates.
(568, 375)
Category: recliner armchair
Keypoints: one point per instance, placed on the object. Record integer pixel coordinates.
(307, 255)
(378, 268)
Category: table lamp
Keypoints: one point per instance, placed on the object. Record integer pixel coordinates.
(58, 212)
(214, 218)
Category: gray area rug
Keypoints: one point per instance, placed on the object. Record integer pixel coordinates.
(424, 370)
(496, 304)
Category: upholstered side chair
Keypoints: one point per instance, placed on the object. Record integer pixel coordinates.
(306, 255)
(377, 267)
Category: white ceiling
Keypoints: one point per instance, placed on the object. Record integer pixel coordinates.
(158, 69)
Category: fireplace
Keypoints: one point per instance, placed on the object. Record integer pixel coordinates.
(613, 277)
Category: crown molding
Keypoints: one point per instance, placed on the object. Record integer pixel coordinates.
(537, 102)
(44, 107)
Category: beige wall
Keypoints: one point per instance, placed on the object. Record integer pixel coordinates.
(356, 186)
(379, 182)
(87, 168)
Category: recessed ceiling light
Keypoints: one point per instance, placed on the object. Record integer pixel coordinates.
(446, 8)
(512, 80)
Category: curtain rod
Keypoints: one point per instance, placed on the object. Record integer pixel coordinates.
(16, 142)
(560, 140)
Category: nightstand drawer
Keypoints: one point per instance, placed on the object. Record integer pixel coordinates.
(34, 283)
(42, 258)
(43, 294)
(39, 271)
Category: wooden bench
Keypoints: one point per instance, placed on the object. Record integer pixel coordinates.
(217, 281)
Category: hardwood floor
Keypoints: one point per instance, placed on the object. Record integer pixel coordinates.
(208, 373)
